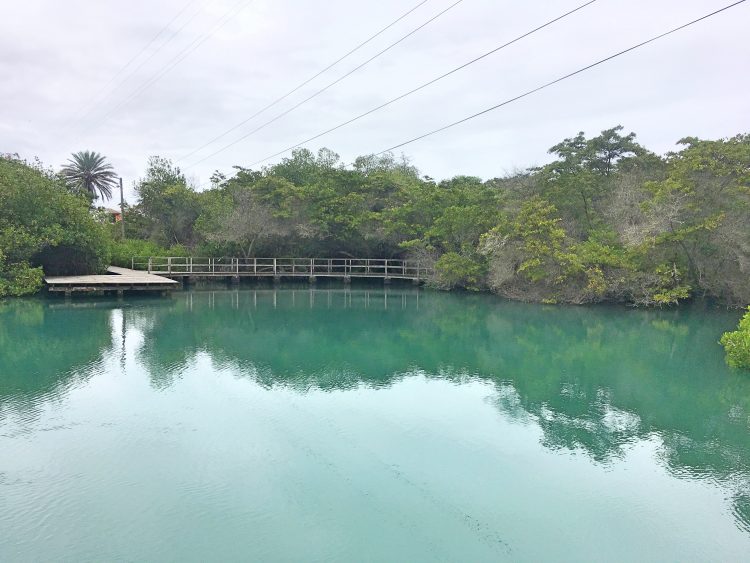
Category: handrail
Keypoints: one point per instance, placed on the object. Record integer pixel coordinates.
(385, 268)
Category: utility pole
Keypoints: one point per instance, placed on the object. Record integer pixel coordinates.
(122, 211)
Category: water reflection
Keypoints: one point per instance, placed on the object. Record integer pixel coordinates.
(43, 346)
(593, 380)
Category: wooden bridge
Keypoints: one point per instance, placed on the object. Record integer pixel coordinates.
(175, 267)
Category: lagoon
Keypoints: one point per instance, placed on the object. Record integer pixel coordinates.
(368, 424)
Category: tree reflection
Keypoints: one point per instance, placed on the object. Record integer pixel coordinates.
(593, 379)
(44, 344)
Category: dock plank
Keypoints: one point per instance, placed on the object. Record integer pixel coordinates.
(118, 278)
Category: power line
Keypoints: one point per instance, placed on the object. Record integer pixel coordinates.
(355, 69)
(153, 39)
(429, 83)
(560, 79)
(292, 91)
(144, 61)
(174, 61)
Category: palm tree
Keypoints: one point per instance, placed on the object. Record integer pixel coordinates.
(88, 172)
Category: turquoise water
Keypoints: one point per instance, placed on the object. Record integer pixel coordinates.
(363, 425)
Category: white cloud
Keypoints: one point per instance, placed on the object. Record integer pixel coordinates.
(56, 56)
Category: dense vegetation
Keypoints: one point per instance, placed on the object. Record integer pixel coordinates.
(607, 220)
(737, 344)
(44, 228)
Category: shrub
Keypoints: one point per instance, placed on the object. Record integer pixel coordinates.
(45, 228)
(123, 251)
(737, 344)
(455, 270)
(19, 278)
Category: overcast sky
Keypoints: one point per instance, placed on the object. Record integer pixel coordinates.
(64, 89)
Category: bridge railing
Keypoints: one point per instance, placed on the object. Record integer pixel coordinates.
(282, 267)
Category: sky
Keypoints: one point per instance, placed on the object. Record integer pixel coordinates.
(164, 77)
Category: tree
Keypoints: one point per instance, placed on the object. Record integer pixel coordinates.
(43, 229)
(243, 221)
(699, 216)
(581, 176)
(607, 220)
(168, 205)
(89, 173)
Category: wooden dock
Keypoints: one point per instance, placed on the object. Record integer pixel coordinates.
(226, 267)
(117, 280)
(157, 273)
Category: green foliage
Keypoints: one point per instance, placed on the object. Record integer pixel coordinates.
(454, 270)
(532, 240)
(43, 227)
(583, 175)
(700, 215)
(19, 278)
(123, 251)
(168, 208)
(606, 220)
(737, 344)
(88, 173)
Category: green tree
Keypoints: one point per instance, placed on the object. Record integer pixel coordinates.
(168, 206)
(607, 220)
(43, 229)
(582, 175)
(699, 216)
(88, 172)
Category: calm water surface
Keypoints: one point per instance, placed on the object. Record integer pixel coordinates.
(363, 425)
